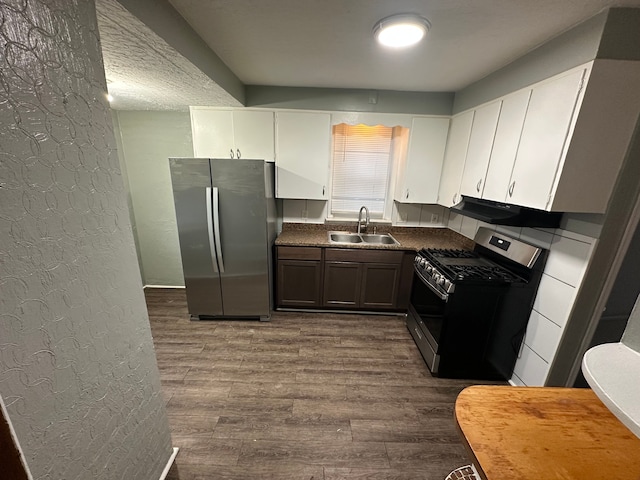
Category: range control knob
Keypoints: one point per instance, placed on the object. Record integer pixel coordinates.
(440, 280)
(429, 268)
(447, 285)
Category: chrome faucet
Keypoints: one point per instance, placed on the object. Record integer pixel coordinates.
(366, 220)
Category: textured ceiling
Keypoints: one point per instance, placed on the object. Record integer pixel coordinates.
(144, 72)
(326, 43)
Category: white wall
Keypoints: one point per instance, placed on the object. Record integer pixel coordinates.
(78, 372)
(148, 140)
(570, 249)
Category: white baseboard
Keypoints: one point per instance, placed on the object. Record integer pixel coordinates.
(165, 472)
(164, 286)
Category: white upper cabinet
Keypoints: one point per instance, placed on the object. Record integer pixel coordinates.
(545, 131)
(303, 144)
(419, 172)
(483, 130)
(232, 133)
(454, 158)
(559, 144)
(212, 132)
(505, 145)
(253, 132)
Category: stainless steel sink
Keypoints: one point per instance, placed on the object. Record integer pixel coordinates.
(350, 238)
(344, 237)
(385, 239)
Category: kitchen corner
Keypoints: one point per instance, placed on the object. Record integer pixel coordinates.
(314, 272)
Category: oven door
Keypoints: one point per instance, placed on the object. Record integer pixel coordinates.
(426, 318)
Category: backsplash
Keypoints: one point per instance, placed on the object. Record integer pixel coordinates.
(403, 214)
(78, 372)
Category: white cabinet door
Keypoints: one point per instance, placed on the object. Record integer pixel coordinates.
(303, 154)
(505, 145)
(232, 133)
(419, 178)
(542, 142)
(483, 130)
(454, 157)
(253, 132)
(212, 132)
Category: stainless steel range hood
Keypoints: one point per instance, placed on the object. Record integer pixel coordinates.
(497, 213)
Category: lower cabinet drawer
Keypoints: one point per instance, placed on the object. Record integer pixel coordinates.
(429, 355)
(363, 256)
(299, 253)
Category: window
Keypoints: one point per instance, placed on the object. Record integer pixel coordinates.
(361, 169)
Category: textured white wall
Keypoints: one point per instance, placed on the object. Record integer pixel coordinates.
(77, 367)
(148, 140)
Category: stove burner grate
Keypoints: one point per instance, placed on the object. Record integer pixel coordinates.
(465, 265)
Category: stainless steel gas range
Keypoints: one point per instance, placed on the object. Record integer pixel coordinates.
(469, 308)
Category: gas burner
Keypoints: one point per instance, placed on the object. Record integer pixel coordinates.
(457, 266)
(447, 253)
(488, 273)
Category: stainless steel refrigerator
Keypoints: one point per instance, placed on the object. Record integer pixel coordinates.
(226, 216)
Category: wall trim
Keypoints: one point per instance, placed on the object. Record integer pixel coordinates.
(167, 467)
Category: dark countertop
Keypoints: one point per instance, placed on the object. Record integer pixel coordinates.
(410, 238)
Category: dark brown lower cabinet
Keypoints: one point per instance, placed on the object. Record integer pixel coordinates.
(299, 277)
(380, 285)
(343, 278)
(362, 279)
(342, 284)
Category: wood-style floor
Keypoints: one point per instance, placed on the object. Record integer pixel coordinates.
(305, 396)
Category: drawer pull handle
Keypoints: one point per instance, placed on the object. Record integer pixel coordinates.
(416, 330)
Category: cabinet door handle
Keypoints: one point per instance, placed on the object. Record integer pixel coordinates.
(407, 194)
(454, 198)
(511, 187)
(238, 153)
(478, 185)
(323, 187)
(231, 153)
(416, 330)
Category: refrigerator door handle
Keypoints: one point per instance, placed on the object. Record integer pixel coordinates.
(212, 246)
(216, 228)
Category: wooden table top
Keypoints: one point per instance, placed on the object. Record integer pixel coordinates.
(545, 433)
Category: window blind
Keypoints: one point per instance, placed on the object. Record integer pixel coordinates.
(361, 166)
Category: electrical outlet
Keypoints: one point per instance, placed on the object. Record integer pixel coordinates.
(435, 218)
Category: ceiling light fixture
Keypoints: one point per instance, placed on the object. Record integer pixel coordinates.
(403, 30)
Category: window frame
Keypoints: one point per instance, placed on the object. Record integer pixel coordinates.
(399, 146)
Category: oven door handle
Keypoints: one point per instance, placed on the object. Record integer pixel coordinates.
(442, 296)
